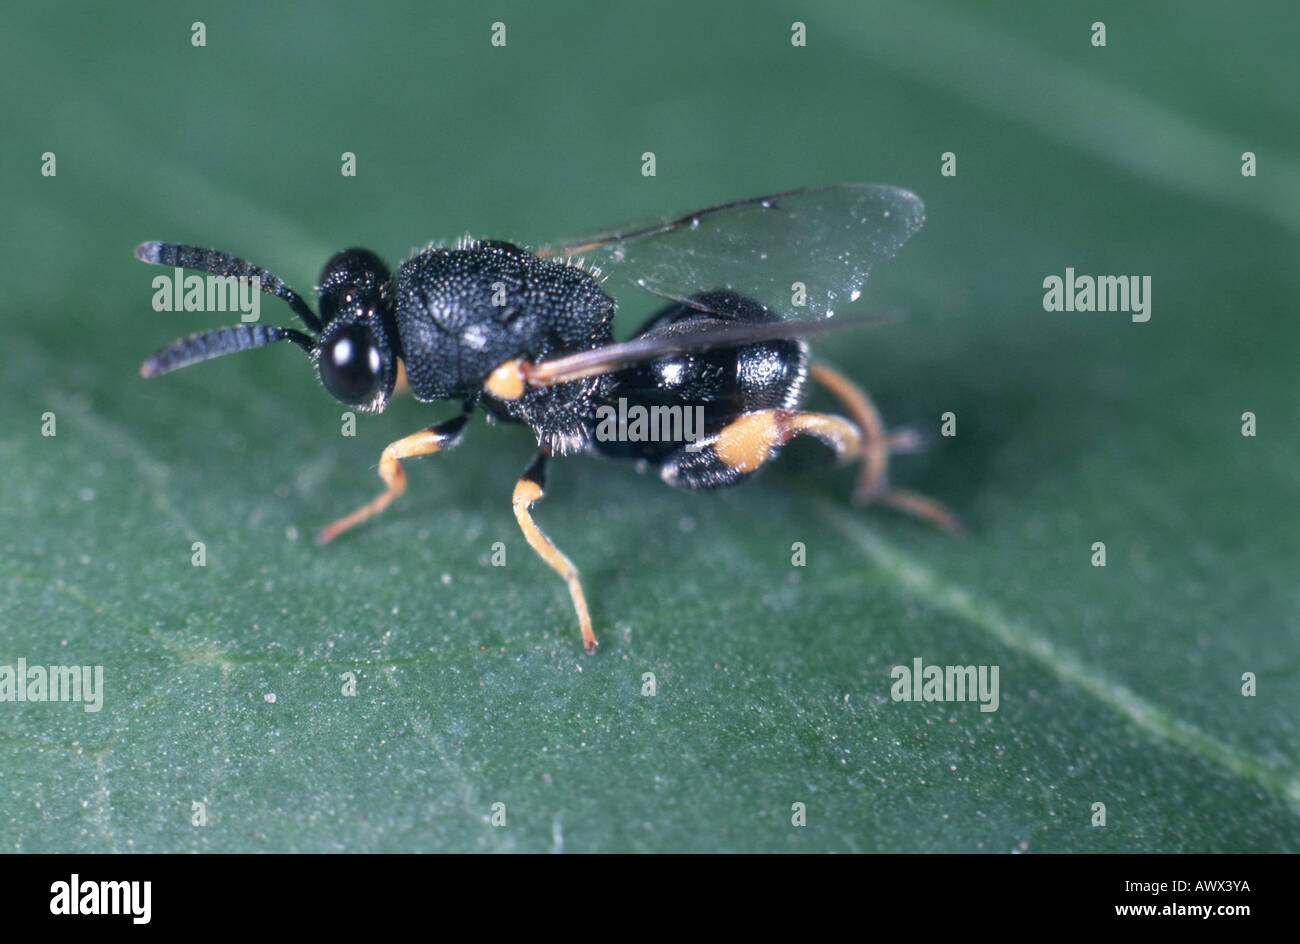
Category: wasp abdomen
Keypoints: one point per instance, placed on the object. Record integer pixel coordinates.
(713, 386)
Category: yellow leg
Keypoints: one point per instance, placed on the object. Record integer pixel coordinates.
(876, 446)
(434, 439)
(747, 441)
(922, 507)
(529, 489)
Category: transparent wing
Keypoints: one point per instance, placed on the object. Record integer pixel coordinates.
(826, 238)
(684, 337)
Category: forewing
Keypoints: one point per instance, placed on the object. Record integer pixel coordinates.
(688, 336)
(826, 239)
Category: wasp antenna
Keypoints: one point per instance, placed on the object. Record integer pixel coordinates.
(209, 344)
(222, 263)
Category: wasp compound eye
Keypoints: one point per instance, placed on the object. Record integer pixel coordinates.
(350, 365)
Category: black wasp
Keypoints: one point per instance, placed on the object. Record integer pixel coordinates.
(528, 337)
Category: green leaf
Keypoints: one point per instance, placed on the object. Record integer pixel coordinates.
(224, 684)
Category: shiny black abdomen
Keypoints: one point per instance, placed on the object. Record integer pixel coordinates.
(724, 383)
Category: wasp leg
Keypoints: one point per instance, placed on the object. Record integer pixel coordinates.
(738, 449)
(751, 439)
(876, 446)
(529, 489)
(436, 438)
(401, 386)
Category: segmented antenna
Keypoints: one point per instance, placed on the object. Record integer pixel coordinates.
(222, 263)
(214, 343)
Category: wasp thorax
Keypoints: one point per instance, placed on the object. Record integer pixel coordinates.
(467, 311)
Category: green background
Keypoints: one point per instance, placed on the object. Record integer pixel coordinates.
(1119, 685)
